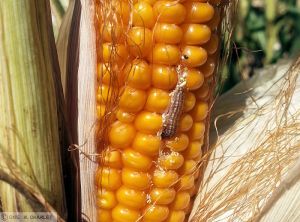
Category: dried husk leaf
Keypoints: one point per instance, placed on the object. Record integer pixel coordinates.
(29, 121)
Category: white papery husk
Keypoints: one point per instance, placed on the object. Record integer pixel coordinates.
(251, 174)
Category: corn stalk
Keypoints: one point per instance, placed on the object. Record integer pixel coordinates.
(29, 120)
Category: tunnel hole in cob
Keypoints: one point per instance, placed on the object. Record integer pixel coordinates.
(144, 175)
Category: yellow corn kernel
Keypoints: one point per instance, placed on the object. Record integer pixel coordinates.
(112, 158)
(188, 167)
(135, 180)
(200, 111)
(158, 100)
(139, 41)
(135, 160)
(197, 131)
(189, 102)
(155, 213)
(197, 12)
(176, 216)
(212, 46)
(125, 117)
(122, 10)
(151, 2)
(162, 196)
(185, 182)
(143, 15)
(124, 214)
(181, 201)
(108, 178)
(208, 68)
(164, 77)
(197, 56)
(138, 74)
(121, 134)
(110, 32)
(104, 215)
(165, 54)
(167, 33)
(120, 56)
(195, 34)
(104, 94)
(171, 161)
(147, 144)
(104, 73)
(169, 12)
(164, 178)
(194, 79)
(178, 143)
(132, 100)
(186, 123)
(148, 122)
(131, 198)
(106, 199)
(193, 151)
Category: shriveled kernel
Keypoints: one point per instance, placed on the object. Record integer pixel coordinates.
(135, 180)
(111, 158)
(197, 131)
(165, 54)
(186, 123)
(162, 196)
(212, 46)
(200, 111)
(155, 213)
(215, 2)
(164, 77)
(178, 143)
(189, 102)
(108, 178)
(131, 198)
(135, 160)
(209, 67)
(203, 92)
(132, 100)
(117, 53)
(164, 178)
(106, 199)
(176, 216)
(196, 55)
(181, 201)
(104, 215)
(195, 34)
(122, 213)
(167, 33)
(188, 167)
(104, 93)
(171, 161)
(148, 122)
(139, 40)
(147, 144)
(185, 182)
(215, 21)
(169, 12)
(138, 74)
(193, 151)
(194, 79)
(143, 15)
(198, 12)
(124, 116)
(121, 134)
(158, 100)
(100, 111)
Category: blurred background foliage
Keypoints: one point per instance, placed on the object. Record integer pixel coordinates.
(266, 30)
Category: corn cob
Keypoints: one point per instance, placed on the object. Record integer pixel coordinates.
(159, 56)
